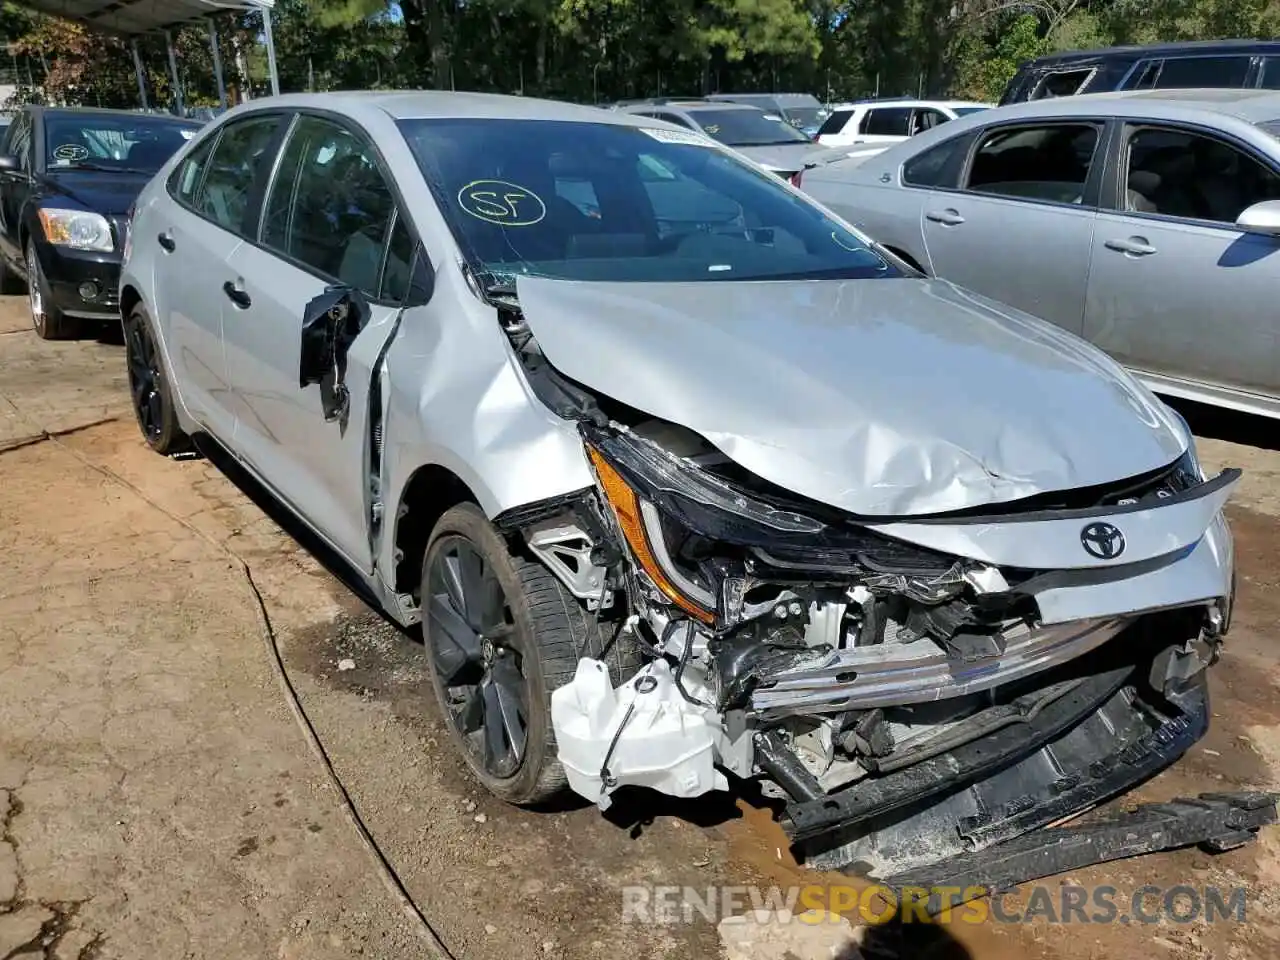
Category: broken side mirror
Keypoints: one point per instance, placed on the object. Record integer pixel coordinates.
(330, 324)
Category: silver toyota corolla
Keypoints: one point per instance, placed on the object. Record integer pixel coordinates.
(682, 476)
(1146, 222)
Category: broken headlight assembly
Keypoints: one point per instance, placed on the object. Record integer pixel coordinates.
(698, 538)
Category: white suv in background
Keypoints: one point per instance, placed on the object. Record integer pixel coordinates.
(889, 121)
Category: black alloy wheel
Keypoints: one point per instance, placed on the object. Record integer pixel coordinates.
(480, 669)
(148, 387)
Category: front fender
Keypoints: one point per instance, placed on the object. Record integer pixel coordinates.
(459, 399)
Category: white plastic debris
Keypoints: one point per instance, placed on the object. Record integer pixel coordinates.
(662, 740)
(346, 664)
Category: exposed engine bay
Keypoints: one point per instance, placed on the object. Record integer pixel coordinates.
(910, 688)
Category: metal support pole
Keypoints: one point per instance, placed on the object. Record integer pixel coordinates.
(271, 52)
(137, 69)
(217, 63)
(173, 72)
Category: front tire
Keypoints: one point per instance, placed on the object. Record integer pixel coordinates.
(501, 634)
(149, 387)
(49, 322)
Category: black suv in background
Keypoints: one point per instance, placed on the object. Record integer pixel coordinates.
(67, 179)
(1205, 63)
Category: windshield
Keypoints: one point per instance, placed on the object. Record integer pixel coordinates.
(747, 128)
(965, 111)
(598, 201)
(88, 141)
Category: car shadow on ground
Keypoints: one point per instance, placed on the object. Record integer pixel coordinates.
(900, 939)
(1233, 426)
(325, 555)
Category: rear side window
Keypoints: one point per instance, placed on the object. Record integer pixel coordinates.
(237, 160)
(887, 122)
(1061, 83)
(330, 207)
(1271, 74)
(926, 118)
(1203, 72)
(1050, 162)
(835, 123)
(935, 167)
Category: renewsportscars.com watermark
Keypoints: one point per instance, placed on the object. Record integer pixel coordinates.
(673, 905)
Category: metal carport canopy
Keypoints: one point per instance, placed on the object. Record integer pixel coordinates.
(133, 17)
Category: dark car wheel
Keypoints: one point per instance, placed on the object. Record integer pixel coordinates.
(50, 322)
(501, 634)
(149, 388)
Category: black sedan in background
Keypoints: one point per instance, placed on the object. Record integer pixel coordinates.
(67, 179)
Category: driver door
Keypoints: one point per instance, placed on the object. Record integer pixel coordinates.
(329, 218)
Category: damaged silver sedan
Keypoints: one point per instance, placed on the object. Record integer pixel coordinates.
(688, 482)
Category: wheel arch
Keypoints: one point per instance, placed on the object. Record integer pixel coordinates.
(430, 490)
(130, 297)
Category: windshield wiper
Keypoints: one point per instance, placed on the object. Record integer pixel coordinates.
(90, 165)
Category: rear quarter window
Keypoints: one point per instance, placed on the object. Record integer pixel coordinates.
(939, 166)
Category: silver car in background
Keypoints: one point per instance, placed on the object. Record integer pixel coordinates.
(1147, 223)
(762, 137)
(683, 478)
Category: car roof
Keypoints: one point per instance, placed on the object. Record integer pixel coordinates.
(443, 104)
(719, 106)
(907, 102)
(1253, 106)
(1182, 48)
(689, 106)
(103, 112)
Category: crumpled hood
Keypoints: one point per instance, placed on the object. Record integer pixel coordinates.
(891, 397)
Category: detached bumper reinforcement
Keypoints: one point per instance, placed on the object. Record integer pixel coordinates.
(964, 764)
(1215, 821)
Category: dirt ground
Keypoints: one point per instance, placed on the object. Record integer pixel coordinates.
(159, 797)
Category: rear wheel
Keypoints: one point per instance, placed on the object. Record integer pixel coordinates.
(152, 400)
(501, 634)
(50, 323)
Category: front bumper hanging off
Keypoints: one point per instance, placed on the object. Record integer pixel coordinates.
(1214, 821)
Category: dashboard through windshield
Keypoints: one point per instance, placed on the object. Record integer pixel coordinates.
(112, 143)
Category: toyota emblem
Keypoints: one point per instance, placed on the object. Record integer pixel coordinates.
(1102, 540)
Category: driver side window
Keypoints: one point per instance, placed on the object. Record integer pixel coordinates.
(330, 207)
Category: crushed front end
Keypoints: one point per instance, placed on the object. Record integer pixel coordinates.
(910, 689)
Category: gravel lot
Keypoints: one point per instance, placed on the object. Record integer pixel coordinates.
(158, 796)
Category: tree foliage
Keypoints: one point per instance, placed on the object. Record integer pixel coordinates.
(592, 50)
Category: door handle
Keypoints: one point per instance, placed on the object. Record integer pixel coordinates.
(948, 217)
(1133, 247)
(236, 295)
(166, 240)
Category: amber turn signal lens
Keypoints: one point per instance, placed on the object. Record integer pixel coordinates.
(627, 509)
